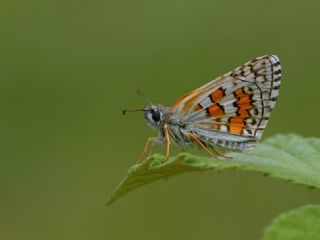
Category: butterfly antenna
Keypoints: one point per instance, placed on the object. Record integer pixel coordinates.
(132, 110)
(138, 110)
(143, 96)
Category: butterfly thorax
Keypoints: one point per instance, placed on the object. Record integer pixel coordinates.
(159, 115)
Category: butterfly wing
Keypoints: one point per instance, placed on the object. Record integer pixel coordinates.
(235, 107)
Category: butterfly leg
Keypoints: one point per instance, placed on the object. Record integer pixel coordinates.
(149, 143)
(203, 147)
(166, 134)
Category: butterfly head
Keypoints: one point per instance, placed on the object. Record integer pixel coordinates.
(152, 113)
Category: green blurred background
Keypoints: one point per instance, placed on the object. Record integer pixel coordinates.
(67, 70)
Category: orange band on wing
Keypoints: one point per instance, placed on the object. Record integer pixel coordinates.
(244, 100)
(244, 103)
(243, 113)
(215, 110)
(245, 106)
(217, 95)
(236, 125)
(240, 93)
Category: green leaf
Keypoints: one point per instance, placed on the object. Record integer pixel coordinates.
(299, 224)
(289, 157)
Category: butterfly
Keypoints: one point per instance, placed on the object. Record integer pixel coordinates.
(228, 114)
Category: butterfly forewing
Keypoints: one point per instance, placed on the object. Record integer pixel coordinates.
(238, 103)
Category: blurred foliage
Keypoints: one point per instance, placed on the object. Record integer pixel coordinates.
(302, 223)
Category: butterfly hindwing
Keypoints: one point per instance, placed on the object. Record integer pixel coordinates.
(237, 103)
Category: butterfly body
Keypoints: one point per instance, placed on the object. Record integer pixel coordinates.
(180, 130)
(229, 113)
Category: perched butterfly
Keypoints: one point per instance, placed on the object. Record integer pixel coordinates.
(227, 114)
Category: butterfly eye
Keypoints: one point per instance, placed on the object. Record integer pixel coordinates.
(156, 116)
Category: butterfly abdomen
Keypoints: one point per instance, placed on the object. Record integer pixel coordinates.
(235, 145)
